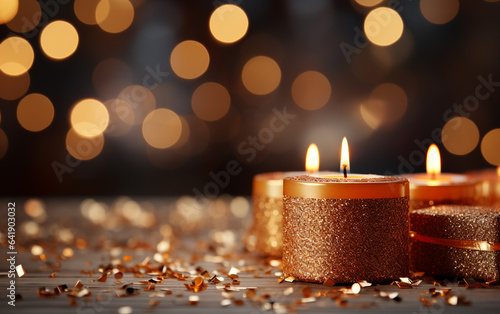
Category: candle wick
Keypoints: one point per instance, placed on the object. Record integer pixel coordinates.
(345, 171)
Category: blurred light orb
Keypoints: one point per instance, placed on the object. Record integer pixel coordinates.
(311, 90)
(140, 99)
(121, 117)
(16, 56)
(85, 11)
(35, 208)
(111, 76)
(8, 10)
(83, 148)
(13, 87)
(210, 101)
(35, 112)
(59, 40)
(368, 3)
(383, 26)
(27, 18)
(114, 16)
(386, 104)
(189, 59)
(4, 144)
(228, 23)
(460, 136)
(490, 147)
(162, 128)
(439, 11)
(89, 118)
(239, 206)
(261, 75)
(185, 133)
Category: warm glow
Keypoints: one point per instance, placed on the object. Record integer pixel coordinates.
(261, 75)
(114, 16)
(387, 104)
(368, 3)
(490, 145)
(433, 161)
(383, 26)
(140, 99)
(189, 59)
(344, 157)
(16, 56)
(312, 158)
(89, 118)
(8, 9)
(460, 136)
(27, 18)
(162, 128)
(439, 11)
(85, 11)
(210, 101)
(228, 23)
(311, 90)
(59, 40)
(121, 117)
(83, 148)
(13, 87)
(498, 171)
(35, 112)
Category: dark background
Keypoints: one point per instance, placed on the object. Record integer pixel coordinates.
(436, 65)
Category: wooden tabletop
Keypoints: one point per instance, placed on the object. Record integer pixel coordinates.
(148, 239)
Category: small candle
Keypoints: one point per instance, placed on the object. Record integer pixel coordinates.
(435, 188)
(266, 234)
(345, 227)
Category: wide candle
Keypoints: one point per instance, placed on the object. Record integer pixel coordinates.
(266, 234)
(345, 227)
(436, 188)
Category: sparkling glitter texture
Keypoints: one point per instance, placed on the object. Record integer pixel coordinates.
(345, 240)
(459, 223)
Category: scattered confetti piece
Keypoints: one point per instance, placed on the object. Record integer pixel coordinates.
(20, 270)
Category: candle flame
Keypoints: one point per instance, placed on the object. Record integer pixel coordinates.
(312, 158)
(433, 161)
(344, 156)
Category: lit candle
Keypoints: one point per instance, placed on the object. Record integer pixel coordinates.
(266, 234)
(435, 188)
(345, 227)
(490, 184)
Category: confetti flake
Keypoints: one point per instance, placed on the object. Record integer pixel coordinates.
(20, 270)
(329, 282)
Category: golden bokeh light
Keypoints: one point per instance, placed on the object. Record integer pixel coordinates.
(111, 76)
(387, 103)
(35, 112)
(490, 145)
(4, 144)
(85, 11)
(162, 128)
(121, 117)
(228, 23)
(27, 18)
(35, 208)
(13, 87)
(311, 90)
(189, 59)
(8, 10)
(83, 148)
(460, 136)
(439, 11)
(185, 133)
(114, 16)
(140, 99)
(210, 101)
(59, 40)
(368, 3)
(261, 75)
(89, 118)
(16, 56)
(383, 26)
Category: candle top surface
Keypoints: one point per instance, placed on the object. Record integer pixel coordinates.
(351, 178)
(442, 179)
(458, 210)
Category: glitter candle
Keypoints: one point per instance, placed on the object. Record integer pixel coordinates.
(345, 228)
(434, 187)
(456, 241)
(266, 234)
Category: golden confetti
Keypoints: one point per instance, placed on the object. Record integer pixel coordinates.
(20, 270)
(52, 275)
(329, 282)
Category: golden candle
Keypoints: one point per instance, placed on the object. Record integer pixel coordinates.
(266, 234)
(345, 228)
(490, 183)
(435, 188)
